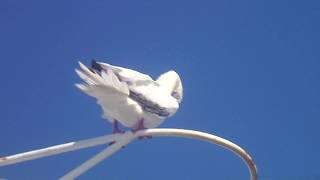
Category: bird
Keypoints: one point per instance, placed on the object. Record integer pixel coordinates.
(131, 98)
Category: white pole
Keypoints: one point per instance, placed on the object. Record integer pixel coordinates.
(209, 138)
(121, 140)
(167, 132)
(49, 151)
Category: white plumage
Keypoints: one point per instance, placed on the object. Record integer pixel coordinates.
(130, 97)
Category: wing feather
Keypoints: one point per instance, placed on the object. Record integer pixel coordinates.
(126, 74)
(111, 93)
(106, 82)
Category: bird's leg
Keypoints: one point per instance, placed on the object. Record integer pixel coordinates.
(115, 130)
(140, 126)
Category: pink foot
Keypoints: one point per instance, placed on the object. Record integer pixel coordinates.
(116, 130)
(140, 126)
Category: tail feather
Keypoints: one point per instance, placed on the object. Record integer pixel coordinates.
(95, 81)
(96, 66)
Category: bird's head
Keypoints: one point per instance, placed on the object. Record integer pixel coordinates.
(171, 82)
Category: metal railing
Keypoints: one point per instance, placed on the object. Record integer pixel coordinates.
(120, 141)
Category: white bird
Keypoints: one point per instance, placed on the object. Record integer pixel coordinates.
(129, 97)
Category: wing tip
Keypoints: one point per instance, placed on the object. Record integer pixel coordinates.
(82, 87)
(95, 65)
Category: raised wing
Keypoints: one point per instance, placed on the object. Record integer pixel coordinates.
(127, 95)
(142, 89)
(131, 77)
(109, 91)
(106, 81)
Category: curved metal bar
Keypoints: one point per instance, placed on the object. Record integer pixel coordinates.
(57, 149)
(125, 139)
(122, 140)
(128, 137)
(209, 138)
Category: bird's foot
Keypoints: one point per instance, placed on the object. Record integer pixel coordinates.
(141, 137)
(116, 130)
(141, 126)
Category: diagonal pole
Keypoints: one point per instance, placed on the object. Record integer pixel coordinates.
(122, 140)
(57, 149)
(166, 132)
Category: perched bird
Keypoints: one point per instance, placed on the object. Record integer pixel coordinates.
(129, 97)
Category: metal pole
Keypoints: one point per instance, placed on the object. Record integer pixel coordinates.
(53, 150)
(167, 132)
(122, 140)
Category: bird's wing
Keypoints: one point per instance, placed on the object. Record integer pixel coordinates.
(142, 89)
(107, 80)
(105, 87)
(153, 96)
(129, 76)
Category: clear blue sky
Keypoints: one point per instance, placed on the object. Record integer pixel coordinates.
(250, 71)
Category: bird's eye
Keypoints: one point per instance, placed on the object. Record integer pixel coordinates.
(175, 94)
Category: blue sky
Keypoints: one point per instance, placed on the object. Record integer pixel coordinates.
(250, 71)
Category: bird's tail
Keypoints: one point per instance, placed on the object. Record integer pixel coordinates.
(95, 82)
(96, 66)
